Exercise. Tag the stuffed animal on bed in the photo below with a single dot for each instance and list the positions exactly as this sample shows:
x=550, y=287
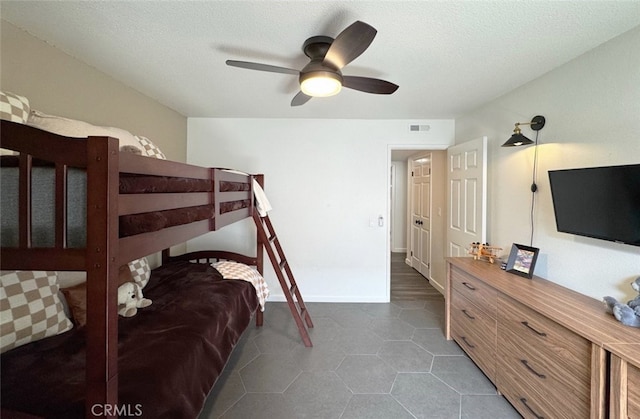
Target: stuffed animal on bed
x=627, y=314
x=127, y=300
x=130, y=297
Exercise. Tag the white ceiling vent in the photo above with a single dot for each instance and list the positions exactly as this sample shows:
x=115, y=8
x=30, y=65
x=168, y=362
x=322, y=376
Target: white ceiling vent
x=416, y=128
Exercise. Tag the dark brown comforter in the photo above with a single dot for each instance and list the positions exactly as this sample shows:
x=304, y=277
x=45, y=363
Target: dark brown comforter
x=170, y=353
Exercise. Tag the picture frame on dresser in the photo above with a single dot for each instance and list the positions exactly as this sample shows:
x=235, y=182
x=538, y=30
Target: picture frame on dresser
x=522, y=260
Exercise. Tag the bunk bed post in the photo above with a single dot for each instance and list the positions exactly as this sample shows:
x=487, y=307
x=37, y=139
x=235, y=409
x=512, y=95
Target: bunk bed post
x=259, y=243
x=166, y=255
x=259, y=251
x=102, y=276
x=215, y=191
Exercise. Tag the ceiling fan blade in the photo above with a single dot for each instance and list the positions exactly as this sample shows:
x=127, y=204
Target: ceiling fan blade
x=369, y=85
x=349, y=44
x=262, y=67
x=300, y=99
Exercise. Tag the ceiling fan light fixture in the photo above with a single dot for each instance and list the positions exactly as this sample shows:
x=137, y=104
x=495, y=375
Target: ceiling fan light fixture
x=320, y=83
x=322, y=76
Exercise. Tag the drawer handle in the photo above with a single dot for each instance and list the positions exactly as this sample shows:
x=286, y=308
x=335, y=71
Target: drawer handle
x=464, y=338
x=468, y=315
x=468, y=285
x=529, y=326
x=526, y=364
x=524, y=402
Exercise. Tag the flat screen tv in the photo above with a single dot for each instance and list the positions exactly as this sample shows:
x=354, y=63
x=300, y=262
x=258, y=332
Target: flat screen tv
x=599, y=202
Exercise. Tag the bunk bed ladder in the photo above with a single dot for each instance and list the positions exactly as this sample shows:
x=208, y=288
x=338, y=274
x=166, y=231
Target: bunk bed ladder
x=268, y=237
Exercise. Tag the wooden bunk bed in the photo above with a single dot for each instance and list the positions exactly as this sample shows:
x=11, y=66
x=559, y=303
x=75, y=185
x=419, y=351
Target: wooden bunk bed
x=175, y=217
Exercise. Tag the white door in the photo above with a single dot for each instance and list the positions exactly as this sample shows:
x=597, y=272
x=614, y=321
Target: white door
x=421, y=214
x=466, y=193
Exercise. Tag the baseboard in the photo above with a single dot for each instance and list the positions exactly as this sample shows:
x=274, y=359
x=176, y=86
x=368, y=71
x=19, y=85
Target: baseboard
x=330, y=299
x=435, y=285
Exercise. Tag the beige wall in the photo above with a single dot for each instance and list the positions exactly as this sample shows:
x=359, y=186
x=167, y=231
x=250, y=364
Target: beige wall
x=58, y=84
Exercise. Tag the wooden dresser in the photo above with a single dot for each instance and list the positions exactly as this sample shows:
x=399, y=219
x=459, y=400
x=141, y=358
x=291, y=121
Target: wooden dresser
x=549, y=350
x=625, y=380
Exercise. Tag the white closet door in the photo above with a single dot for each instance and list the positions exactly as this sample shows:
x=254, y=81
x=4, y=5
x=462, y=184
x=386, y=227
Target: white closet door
x=421, y=214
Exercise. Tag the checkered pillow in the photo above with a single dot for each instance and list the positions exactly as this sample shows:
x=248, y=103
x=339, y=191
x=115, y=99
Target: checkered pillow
x=150, y=149
x=30, y=309
x=14, y=107
x=140, y=271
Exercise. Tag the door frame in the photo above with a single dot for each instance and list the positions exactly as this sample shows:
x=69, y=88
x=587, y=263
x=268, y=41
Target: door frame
x=414, y=148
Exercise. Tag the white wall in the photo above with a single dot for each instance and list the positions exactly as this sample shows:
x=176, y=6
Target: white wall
x=399, y=206
x=592, y=107
x=326, y=179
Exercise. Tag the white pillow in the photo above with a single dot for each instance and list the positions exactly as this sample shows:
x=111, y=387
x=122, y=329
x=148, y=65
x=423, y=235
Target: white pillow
x=79, y=129
x=30, y=308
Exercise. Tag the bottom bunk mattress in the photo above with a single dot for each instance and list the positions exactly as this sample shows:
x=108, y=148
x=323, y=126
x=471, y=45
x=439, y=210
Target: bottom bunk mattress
x=170, y=353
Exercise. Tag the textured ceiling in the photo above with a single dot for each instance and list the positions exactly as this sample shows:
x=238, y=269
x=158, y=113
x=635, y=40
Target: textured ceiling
x=448, y=57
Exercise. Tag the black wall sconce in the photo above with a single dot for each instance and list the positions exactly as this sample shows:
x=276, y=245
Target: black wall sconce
x=517, y=139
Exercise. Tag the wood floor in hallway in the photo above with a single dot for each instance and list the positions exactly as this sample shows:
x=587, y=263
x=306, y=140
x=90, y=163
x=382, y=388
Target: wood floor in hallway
x=408, y=284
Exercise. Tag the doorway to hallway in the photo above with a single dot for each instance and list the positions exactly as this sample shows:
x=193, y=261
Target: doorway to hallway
x=407, y=284
x=401, y=240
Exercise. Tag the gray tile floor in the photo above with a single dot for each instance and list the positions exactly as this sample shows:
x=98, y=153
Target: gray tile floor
x=381, y=360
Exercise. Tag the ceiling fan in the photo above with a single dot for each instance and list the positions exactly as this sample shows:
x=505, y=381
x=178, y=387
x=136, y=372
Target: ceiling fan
x=323, y=77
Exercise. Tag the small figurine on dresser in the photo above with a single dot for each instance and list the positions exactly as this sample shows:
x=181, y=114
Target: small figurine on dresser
x=483, y=250
x=627, y=314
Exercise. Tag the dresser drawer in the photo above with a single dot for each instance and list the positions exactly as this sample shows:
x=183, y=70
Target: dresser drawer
x=551, y=363
x=557, y=346
x=479, y=350
x=552, y=382
x=633, y=388
x=475, y=331
x=529, y=404
x=473, y=318
x=475, y=290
